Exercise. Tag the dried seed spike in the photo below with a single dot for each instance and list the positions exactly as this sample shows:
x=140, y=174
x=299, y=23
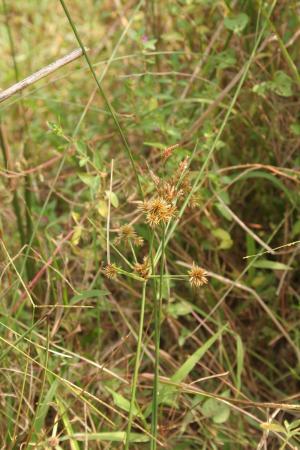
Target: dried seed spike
x=168, y=151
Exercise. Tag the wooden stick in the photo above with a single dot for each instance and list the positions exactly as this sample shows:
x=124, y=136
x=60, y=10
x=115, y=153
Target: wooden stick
x=44, y=72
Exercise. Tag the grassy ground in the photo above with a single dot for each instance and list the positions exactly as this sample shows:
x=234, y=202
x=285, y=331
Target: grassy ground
x=150, y=226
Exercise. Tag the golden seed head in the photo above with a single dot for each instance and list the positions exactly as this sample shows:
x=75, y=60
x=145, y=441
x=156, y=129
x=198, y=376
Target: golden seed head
x=142, y=269
x=111, y=271
x=167, y=191
x=157, y=210
x=127, y=233
x=197, y=276
x=138, y=241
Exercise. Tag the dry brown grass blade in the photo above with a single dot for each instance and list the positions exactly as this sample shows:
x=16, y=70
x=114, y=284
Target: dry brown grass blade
x=42, y=73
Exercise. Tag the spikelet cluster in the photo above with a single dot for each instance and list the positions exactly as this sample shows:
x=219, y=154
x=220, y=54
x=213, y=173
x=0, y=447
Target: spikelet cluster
x=158, y=211
x=111, y=271
x=197, y=276
x=142, y=269
x=127, y=234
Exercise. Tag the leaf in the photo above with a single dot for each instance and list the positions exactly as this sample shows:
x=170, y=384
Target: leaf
x=216, y=410
x=296, y=229
x=77, y=234
x=295, y=128
x=236, y=22
x=272, y=265
x=89, y=180
x=273, y=179
x=179, y=309
x=282, y=84
x=88, y=294
x=110, y=436
x=273, y=427
x=168, y=393
x=224, y=237
x=224, y=211
x=121, y=402
x=44, y=407
x=102, y=208
x=239, y=360
x=155, y=145
x=190, y=363
x=113, y=198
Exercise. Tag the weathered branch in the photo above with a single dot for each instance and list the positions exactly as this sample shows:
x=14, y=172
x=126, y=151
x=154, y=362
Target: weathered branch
x=44, y=72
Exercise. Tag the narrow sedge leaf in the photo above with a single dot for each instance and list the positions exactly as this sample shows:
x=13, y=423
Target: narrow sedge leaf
x=272, y=265
x=273, y=427
x=190, y=363
x=239, y=360
x=93, y=293
x=121, y=402
x=110, y=436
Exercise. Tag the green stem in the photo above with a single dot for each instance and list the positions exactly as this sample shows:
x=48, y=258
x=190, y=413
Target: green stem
x=157, y=322
x=136, y=367
x=105, y=98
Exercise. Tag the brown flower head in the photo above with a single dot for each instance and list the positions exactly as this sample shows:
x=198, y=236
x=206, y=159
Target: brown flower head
x=157, y=210
x=168, y=152
x=197, y=276
x=126, y=234
x=142, y=269
x=167, y=191
x=111, y=271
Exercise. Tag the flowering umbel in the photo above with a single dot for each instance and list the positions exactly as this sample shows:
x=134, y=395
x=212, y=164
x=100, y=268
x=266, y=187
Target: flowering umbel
x=157, y=211
x=197, y=276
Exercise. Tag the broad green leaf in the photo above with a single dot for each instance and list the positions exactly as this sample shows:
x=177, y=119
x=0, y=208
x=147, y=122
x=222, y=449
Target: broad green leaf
x=113, y=198
x=296, y=229
x=215, y=409
x=272, y=265
x=224, y=212
x=90, y=180
x=121, y=402
x=295, y=128
x=77, y=234
x=236, y=22
x=102, y=208
x=179, y=309
x=282, y=84
x=224, y=237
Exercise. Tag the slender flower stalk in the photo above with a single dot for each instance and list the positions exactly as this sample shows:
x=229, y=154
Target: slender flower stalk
x=157, y=323
x=136, y=367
